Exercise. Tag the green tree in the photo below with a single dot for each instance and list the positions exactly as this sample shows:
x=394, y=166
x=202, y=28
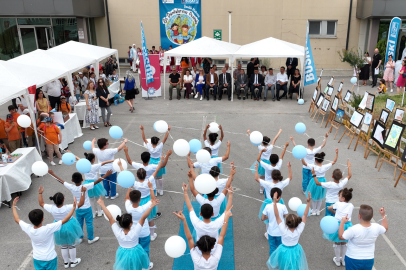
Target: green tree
x=177, y=21
x=352, y=57
x=185, y=21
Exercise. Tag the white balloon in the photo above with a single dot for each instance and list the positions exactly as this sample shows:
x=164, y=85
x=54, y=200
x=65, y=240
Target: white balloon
x=256, y=137
x=116, y=167
x=203, y=156
x=175, y=246
x=114, y=211
x=24, y=121
x=214, y=127
x=161, y=126
x=39, y=168
x=181, y=147
x=145, y=145
x=205, y=183
x=294, y=203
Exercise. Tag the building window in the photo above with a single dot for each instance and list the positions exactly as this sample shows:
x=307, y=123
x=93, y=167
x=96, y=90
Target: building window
x=9, y=41
x=91, y=31
x=323, y=29
x=65, y=29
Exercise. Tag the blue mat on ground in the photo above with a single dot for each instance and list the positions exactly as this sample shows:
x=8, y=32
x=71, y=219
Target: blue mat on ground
x=227, y=258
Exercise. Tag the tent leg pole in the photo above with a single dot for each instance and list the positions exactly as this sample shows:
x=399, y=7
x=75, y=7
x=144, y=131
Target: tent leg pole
x=403, y=95
x=32, y=116
x=164, y=79
x=232, y=79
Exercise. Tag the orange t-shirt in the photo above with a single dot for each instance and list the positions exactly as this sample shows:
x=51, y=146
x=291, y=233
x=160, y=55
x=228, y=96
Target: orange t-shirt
x=30, y=130
x=13, y=134
x=64, y=108
x=184, y=64
x=15, y=117
x=3, y=133
x=51, y=133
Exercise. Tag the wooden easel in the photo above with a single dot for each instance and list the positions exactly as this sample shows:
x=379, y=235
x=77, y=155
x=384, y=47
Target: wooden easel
x=320, y=111
x=313, y=103
x=350, y=132
x=332, y=114
x=402, y=171
x=363, y=138
x=390, y=155
x=334, y=124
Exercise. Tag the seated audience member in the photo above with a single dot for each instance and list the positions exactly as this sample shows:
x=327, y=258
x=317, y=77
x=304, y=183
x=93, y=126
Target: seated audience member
x=295, y=84
x=237, y=72
x=270, y=81
x=263, y=72
x=242, y=83
x=281, y=83
x=256, y=82
x=211, y=82
x=200, y=83
x=174, y=82
x=187, y=82
x=225, y=82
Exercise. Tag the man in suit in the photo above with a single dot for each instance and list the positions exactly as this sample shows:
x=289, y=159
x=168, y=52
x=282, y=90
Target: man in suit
x=211, y=82
x=250, y=68
x=256, y=81
x=242, y=82
x=291, y=63
x=225, y=82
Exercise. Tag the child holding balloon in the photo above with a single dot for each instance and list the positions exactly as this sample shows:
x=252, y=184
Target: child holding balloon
x=206, y=167
x=213, y=145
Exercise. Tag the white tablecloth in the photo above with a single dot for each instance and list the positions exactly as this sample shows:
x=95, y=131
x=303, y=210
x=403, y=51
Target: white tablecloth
x=114, y=88
x=80, y=110
x=71, y=131
x=16, y=176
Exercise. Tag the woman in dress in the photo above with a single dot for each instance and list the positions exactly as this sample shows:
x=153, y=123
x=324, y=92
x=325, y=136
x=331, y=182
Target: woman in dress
x=364, y=74
x=41, y=103
x=92, y=103
x=388, y=74
x=187, y=81
x=129, y=87
x=401, y=80
x=295, y=84
x=104, y=104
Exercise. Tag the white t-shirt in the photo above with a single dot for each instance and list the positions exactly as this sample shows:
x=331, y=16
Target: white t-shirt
x=155, y=152
x=269, y=168
x=105, y=155
x=320, y=171
x=309, y=158
x=92, y=175
x=21, y=101
x=343, y=209
x=332, y=189
x=211, y=229
x=58, y=213
x=137, y=213
x=291, y=238
x=206, y=167
x=361, y=240
x=221, y=184
x=131, y=239
x=76, y=191
x=143, y=186
x=273, y=228
x=214, y=148
x=200, y=263
x=149, y=169
x=42, y=239
x=265, y=155
x=268, y=186
x=187, y=78
x=215, y=203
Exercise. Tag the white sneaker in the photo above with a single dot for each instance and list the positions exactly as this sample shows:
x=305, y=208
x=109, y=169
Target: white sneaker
x=313, y=213
x=106, y=197
x=342, y=261
x=80, y=240
x=161, y=192
x=114, y=196
x=74, y=264
x=60, y=162
x=67, y=265
x=151, y=265
x=201, y=97
x=197, y=95
x=93, y=241
x=52, y=163
x=338, y=263
x=391, y=90
x=318, y=213
x=99, y=214
x=304, y=193
x=153, y=237
x=266, y=235
x=94, y=215
x=261, y=192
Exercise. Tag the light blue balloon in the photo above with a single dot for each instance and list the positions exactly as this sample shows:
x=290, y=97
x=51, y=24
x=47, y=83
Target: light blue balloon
x=329, y=224
x=126, y=179
x=195, y=145
x=83, y=165
x=301, y=101
x=301, y=209
x=353, y=80
x=68, y=158
x=299, y=151
x=87, y=145
x=116, y=132
x=300, y=128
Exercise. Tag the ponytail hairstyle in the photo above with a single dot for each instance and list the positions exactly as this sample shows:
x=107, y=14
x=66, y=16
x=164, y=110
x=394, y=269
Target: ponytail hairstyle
x=206, y=243
x=213, y=137
x=214, y=171
x=213, y=193
x=125, y=221
x=346, y=194
x=90, y=156
x=276, y=175
x=141, y=174
x=319, y=157
x=154, y=140
x=266, y=140
x=292, y=221
x=58, y=198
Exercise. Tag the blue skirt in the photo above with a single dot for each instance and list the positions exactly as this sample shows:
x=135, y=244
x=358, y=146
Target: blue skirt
x=334, y=236
x=46, y=265
x=264, y=204
x=131, y=258
x=328, y=213
x=153, y=211
x=261, y=170
x=156, y=162
x=318, y=192
x=223, y=205
x=96, y=191
x=288, y=258
x=218, y=164
x=69, y=234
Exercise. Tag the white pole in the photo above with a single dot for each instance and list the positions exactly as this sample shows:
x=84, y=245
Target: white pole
x=164, y=76
x=32, y=116
x=229, y=26
x=403, y=95
x=232, y=78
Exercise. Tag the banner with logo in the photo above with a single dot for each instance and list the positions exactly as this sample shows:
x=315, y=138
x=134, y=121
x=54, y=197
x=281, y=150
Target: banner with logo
x=393, y=38
x=180, y=22
x=151, y=89
x=146, y=62
x=310, y=70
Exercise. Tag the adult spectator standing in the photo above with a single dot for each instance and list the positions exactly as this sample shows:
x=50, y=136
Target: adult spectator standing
x=53, y=89
x=237, y=72
x=206, y=65
x=270, y=82
x=242, y=82
x=130, y=59
x=185, y=64
x=110, y=66
x=388, y=74
x=83, y=80
x=134, y=57
x=41, y=102
x=291, y=64
x=295, y=84
x=154, y=51
x=104, y=104
x=92, y=113
x=282, y=83
x=256, y=81
x=174, y=82
x=364, y=74
x=21, y=104
x=401, y=80
x=250, y=68
x=129, y=87
x=211, y=82
x=225, y=82
x=376, y=62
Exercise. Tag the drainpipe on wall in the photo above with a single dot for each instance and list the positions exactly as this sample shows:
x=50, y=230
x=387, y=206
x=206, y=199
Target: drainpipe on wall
x=108, y=21
x=348, y=30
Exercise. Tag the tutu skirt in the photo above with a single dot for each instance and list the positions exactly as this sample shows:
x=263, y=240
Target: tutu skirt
x=69, y=234
x=288, y=258
x=156, y=161
x=264, y=204
x=96, y=191
x=334, y=236
x=223, y=205
x=328, y=213
x=153, y=211
x=131, y=258
x=218, y=164
x=261, y=170
x=318, y=192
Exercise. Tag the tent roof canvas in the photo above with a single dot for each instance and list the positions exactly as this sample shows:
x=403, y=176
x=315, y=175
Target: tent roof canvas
x=83, y=50
x=10, y=85
x=270, y=47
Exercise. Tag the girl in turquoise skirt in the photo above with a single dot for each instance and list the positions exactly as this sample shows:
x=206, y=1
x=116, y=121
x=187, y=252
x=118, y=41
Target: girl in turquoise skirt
x=213, y=145
x=318, y=192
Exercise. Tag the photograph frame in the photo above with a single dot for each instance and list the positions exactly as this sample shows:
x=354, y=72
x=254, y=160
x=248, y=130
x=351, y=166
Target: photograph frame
x=397, y=110
x=381, y=127
x=388, y=106
x=330, y=91
x=325, y=90
x=323, y=107
x=340, y=87
x=335, y=102
x=373, y=102
x=387, y=116
x=348, y=94
x=330, y=82
x=400, y=128
x=319, y=100
x=366, y=123
x=360, y=117
x=340, y=120
x=315, y=95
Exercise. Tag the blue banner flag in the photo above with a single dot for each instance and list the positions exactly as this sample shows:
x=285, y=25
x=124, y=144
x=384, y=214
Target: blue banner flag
x=310, y=70
x=180, y=22
x=145, y=56
x=393, y=37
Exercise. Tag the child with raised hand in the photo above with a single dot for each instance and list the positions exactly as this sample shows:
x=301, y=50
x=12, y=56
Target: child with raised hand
x=206, y=167
x=342, y=208
x=333, y=187
x=289, y=255
x=311, y=151
x=318, y=192
x=361, y=238
x=130, y=254
x=155, y=150
x=204, y=257
x=42, y=240
x=276, y=163
x=70, y=233
x=211, y=143
x=83, y=213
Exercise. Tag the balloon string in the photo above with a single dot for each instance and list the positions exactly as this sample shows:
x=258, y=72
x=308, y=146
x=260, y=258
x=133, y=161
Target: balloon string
x=230, y=190
x=9, y=206
x=136, y=143
x=376, y=222
x=47, y=139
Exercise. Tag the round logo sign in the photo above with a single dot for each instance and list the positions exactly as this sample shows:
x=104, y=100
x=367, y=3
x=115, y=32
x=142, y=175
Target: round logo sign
x=180, y=29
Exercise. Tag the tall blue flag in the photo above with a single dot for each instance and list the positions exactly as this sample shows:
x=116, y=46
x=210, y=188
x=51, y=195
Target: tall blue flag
x=393, y=37
x=145, y=56
x=310, y=69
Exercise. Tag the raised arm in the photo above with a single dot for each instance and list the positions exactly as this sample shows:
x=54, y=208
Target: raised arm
x=106, y=211
x=249, y=132
x=127, y=195
x=56, y=177
x=166, y=135
x=108, y=173
x=125, y=148
x=384, y=219
x=187, y=200
x=290, y=171
x=230, y=179
x=168, y=154
x=93, y=141
x=146, y=213
x=222, y=133
x=122, y=145
x=151, y=191
x=230, y=200
x=223, y=232
x=186, y=229
x=158, y=167
x=284, y=150
x=260, y=154
x=293, y=141
x=189, y=161
x=107, y=161
x=306, y=212
x=82, y=197
x=15, y=214
x=40, y=198
x=336, y=157
x=275, y=208
x=68, y=216
x=325, y=140
x=205, y=132
x=304, y=162
x=143, y=134
x=276, y=137
x=226, y=156
x=349, y=169
x=192, y=184
x=341, y=228
x=256, y=172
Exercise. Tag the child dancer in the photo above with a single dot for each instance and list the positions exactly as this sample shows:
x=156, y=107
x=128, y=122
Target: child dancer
x=343, y=208
x=318, y=193
x=290, y=254
x=42, y=240
x=84, y=213
x=213, y=145
x=311, y=151
x=361, y=238
x=130, y=255
x=333, y=187
x=70, y=233
x=206, y=167
x=155, y=149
